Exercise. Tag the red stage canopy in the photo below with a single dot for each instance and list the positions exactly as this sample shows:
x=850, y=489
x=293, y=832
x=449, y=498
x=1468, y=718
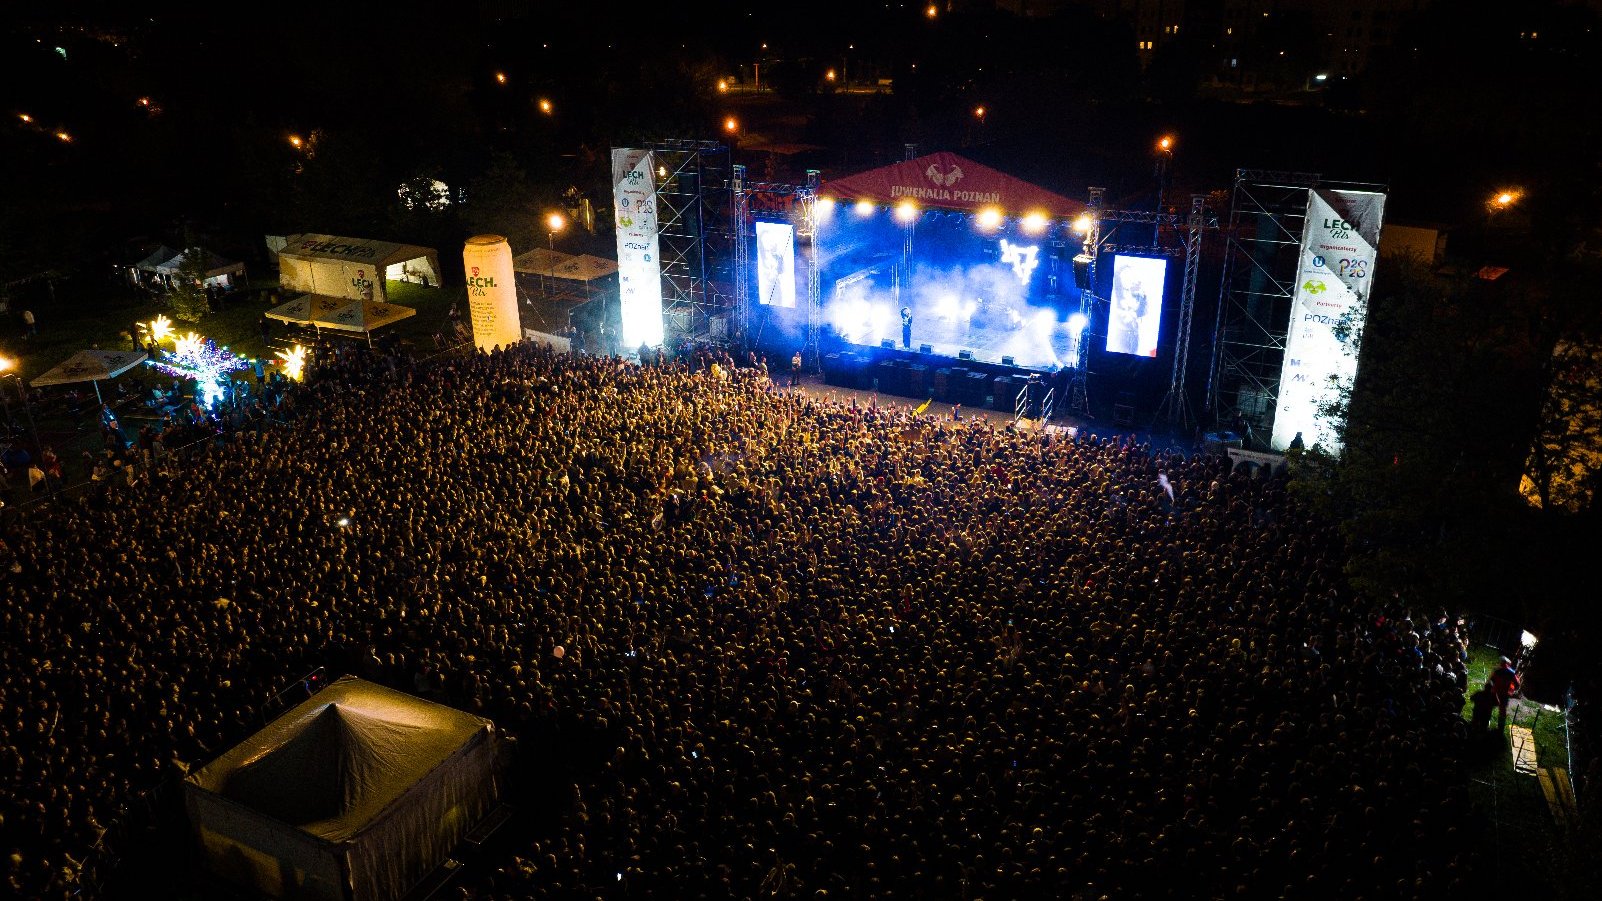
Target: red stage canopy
x=946, y=181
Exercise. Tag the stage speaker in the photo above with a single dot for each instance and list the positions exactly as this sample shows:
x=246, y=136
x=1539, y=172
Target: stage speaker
x=1008, y=361
x=1082, y=271
x=887, y=344
x=926, y=348
x=965, y=355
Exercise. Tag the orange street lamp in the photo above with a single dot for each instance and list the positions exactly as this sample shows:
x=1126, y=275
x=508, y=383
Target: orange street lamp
x=1165, y=143
x=731, y=125
x=554, y=222
x=1505, y=199
x=932, y=11
x=296, y=142
x=500, y=78
x=545, y=106
x=25, y=117
x=63, y=137
x=829, y=75
x=723, y=85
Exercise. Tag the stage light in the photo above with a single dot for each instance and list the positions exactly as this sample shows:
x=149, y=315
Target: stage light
x=989, y=218
x=1082, y=223
x=731, y=125
x=863, y=208
x=545, y=106
x=906, y=212
x=1165, y=143
x=824, y=208
x=661, y=172
x=1033, y=223
x=1076, y=324
x=1527, y=640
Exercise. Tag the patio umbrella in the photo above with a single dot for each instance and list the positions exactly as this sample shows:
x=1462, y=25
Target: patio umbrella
x=91, y=366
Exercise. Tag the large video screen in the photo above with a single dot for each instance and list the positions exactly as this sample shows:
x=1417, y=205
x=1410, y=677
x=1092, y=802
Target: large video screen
x=1135, y=316
x=994, y=292
x=775, y=260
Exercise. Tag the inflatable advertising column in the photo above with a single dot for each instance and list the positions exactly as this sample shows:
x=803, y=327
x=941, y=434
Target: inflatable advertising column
x=491, y=292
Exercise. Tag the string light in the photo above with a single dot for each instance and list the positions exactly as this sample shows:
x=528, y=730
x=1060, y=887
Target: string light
x=201, y=359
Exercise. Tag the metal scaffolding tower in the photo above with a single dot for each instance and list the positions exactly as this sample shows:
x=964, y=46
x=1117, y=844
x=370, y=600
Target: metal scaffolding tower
x=1175, y=406
x=1267, y=212
x=698, y=240
x=806, y=229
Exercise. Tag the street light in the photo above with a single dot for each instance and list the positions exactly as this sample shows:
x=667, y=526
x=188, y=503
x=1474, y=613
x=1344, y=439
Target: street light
x=25, y=117
x=296, y=142
x=545, y=106
x=500, y=78
x=554, y=223
x=63, y=137
x=731, y=125
x=1505, y=199
x=1165, y=143
x=932, y=11
x=8, y=368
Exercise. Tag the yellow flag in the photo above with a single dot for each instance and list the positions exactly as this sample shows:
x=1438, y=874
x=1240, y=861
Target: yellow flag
x=923, y=406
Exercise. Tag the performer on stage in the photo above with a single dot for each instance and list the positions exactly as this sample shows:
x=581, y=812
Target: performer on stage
x=906, y=327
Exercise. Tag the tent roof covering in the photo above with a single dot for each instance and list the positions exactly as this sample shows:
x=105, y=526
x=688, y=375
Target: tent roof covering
x=946, y=181
x=332, y=764
x=340, y=313
x=579, y=268
x=91, y=366
x=352, y=250
x=215, y=265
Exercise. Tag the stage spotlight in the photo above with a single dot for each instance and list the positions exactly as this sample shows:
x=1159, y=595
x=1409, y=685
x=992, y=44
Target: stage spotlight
x=823, y=209
x=1082, y=224
x=989, y=218
x=1033, y=223
x=864, y=208
x=906, y=212
x=1076, y=324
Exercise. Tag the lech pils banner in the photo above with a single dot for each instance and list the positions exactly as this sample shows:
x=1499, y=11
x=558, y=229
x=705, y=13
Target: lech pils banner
x=1339, y=240
x=639, y=268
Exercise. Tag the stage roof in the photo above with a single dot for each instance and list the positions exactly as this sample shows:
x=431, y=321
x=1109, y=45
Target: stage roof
x=945, y=181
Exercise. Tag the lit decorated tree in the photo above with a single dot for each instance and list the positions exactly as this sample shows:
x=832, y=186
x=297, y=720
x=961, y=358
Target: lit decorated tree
x=201, y=359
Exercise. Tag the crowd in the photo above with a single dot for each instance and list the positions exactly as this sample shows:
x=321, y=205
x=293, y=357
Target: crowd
x=767, y=645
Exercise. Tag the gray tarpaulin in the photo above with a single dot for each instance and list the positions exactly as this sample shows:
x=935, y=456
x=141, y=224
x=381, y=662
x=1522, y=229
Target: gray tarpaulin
x=355, y=794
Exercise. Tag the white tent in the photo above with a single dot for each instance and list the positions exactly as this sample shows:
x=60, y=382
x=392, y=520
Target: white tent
x=164, y=264
x=321, y=311
x=357, y=793
x=352, y=268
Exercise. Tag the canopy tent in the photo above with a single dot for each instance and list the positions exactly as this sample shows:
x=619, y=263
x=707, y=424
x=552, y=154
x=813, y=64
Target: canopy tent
x=321, y=311
x=946, y=181
x=164, y=264
x=352, y=268
x=91, y=366
x=555, y=264
x=356, y=793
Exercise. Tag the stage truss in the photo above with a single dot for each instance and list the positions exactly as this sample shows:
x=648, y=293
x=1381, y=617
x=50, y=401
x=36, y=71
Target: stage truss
x=698, y=242
x=1256, y=292
x=805, y=197
x=1175, y=407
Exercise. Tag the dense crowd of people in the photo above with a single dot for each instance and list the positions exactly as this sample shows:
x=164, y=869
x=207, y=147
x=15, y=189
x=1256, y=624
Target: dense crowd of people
x=768, y=645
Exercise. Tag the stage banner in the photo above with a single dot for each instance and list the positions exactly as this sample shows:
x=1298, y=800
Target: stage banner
x=1333, y=281
x=491, y=292
x=638, y=265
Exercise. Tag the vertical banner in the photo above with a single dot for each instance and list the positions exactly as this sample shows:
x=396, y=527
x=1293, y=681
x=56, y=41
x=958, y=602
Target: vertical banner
x=1333, y=279
x=491, y=292
x=775, y=243
x=639, y=268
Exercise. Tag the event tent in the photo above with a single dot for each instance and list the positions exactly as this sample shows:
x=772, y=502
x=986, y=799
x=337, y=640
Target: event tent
x=91, y=366
x=946, y=181
x=321, y=311
x=164, y=264
x=357, y=793
x=555, y=264
x=353, y=268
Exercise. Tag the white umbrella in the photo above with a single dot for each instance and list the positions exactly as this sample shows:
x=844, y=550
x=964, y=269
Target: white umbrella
x=91, y=366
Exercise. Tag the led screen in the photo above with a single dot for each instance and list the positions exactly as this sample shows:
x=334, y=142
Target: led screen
x=776, y=263
x=1135, y=316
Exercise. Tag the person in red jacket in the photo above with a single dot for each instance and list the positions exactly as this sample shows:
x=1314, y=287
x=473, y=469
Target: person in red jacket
x=1504, y=682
